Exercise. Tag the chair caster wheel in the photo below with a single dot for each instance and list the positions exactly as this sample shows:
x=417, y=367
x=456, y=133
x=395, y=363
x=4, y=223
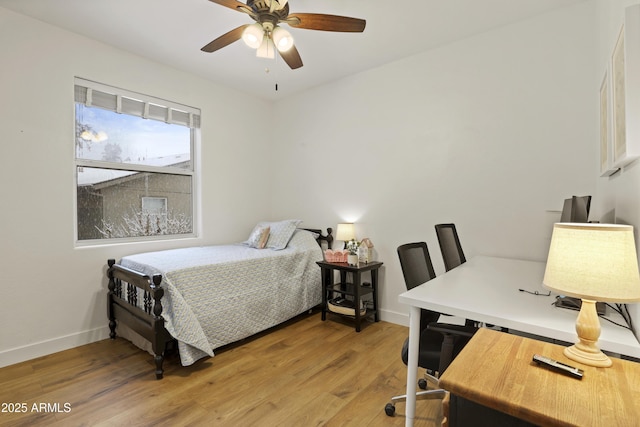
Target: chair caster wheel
x=390, y=410
x=422, y=383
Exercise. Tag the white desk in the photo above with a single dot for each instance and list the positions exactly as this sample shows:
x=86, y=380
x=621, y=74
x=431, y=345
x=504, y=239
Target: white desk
x=485, y=289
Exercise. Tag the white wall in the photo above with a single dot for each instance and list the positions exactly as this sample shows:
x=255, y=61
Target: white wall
x=53, y=296
x=490, y=132
x=618, y=196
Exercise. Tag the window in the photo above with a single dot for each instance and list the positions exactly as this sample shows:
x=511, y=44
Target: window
x=155, y=209
x=134, y=165
x=155, y=205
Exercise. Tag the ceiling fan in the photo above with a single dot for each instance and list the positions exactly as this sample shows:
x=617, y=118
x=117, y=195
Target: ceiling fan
x=266, y=35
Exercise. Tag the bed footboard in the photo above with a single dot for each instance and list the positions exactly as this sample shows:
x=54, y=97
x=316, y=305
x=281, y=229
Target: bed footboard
x=134, y=299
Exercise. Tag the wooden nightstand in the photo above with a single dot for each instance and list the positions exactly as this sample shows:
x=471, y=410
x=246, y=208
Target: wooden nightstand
x=353, y=290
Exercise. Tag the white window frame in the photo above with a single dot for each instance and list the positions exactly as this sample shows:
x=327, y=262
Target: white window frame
x=96, y=94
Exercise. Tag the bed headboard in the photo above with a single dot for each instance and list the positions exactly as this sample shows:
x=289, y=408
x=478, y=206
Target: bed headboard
x=328, y=238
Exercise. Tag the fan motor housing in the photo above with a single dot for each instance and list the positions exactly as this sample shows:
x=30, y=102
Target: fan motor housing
x=262, y=8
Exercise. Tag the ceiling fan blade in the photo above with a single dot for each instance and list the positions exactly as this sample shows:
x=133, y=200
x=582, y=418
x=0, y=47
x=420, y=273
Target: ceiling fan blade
x=318, y=21
x=292, y=58
x=225, y=39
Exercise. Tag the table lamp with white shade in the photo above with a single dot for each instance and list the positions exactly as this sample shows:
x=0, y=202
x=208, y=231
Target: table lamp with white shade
x=594, y=262
x=346, y=232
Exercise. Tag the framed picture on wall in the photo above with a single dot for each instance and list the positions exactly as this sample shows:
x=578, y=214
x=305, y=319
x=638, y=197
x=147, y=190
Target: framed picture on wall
x=618, y=98
x=606, y=144
x=625, y=90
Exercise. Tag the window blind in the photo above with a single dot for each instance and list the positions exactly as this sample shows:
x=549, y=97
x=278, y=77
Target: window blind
x=94, y=94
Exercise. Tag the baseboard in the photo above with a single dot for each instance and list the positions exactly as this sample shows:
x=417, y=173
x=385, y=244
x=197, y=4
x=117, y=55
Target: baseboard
x=43, y=348
x=394, y=317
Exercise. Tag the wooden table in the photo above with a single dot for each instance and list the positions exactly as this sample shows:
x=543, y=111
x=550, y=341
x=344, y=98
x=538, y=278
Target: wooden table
x=495, y=370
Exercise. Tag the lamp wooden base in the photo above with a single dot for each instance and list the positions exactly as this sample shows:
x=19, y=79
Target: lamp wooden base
x=598, y=359
x=586, y=350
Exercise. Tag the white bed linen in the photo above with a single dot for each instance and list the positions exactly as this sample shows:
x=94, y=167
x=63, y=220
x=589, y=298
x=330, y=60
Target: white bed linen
x=216, y=295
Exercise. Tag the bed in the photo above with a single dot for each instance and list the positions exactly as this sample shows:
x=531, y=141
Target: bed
x=202, y=298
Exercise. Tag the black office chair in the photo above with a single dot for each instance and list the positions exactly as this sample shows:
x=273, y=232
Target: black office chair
x=452, y=253
x=439, y=342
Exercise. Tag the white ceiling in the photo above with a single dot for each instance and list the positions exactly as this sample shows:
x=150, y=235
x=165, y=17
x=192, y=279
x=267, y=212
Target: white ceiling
x=173, y=31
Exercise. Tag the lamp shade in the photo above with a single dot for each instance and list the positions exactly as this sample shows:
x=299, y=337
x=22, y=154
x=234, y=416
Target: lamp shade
x=593, y=261
x=282, y=39
x=253, y=35
x=346, y=232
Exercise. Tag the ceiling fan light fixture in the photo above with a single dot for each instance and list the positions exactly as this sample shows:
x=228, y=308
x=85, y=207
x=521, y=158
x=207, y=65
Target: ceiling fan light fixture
x=282, y=39
x=266, y=49
x=253, y=35
x=265, y=36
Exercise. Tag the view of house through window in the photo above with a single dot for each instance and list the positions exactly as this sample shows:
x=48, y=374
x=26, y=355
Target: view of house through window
x=134, y=164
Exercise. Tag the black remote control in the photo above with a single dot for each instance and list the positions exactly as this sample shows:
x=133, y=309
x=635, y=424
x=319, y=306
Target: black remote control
x=554, y=365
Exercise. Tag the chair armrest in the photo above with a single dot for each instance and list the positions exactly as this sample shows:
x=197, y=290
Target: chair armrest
x=446, y=328
x=452, y=335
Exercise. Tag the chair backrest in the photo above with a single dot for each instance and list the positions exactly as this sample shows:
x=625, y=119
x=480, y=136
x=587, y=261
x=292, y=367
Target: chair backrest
x=417, y=269
x=416, y=264
x=452, y=253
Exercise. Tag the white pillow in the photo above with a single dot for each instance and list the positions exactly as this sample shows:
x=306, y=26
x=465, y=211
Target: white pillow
x=281, y=232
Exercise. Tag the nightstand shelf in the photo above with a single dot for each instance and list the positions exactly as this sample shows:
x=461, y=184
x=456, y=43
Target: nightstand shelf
x=352, y=290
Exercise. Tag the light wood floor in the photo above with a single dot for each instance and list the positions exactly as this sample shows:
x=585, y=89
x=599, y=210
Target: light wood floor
x=304, y=373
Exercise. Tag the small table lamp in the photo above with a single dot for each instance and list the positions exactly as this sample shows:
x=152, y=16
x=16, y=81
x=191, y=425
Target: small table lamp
x=594, y=262
x=346, y=232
